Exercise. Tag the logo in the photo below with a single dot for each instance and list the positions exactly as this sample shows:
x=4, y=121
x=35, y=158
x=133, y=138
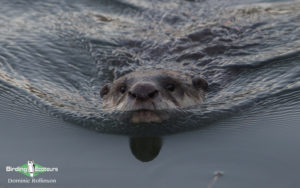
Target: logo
x=31, y=169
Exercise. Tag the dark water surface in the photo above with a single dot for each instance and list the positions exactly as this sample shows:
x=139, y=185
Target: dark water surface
x=56, y=55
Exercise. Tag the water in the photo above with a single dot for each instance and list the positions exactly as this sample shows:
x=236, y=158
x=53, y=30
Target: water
x=56, y=55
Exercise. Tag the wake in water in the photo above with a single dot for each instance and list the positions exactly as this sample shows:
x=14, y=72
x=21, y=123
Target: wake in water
x=59, y=54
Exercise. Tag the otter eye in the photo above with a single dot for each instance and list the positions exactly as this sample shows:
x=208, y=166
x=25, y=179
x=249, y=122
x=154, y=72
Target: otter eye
x=122, y=89
x=170, y=87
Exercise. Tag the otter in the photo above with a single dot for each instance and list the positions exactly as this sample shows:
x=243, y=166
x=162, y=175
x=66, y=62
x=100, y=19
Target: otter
x=148, y=93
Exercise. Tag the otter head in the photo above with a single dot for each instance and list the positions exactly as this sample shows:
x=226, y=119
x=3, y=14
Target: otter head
x=147, y=94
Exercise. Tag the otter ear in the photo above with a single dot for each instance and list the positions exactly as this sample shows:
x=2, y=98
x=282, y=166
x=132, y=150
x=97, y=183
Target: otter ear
x=104, y=90
x=199, y=82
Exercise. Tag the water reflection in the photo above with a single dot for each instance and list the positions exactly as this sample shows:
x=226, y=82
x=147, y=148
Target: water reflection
x=145, y=149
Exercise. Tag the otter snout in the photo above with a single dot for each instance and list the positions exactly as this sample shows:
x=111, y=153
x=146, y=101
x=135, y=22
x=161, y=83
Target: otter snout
x=143, y=91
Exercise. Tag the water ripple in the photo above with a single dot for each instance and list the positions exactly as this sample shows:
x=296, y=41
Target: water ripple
x=58, y=55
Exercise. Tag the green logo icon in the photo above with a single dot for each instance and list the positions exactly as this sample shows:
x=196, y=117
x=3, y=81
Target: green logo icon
x=32, y=169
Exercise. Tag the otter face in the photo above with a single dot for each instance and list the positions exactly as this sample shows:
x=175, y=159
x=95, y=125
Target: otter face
x=146, y=94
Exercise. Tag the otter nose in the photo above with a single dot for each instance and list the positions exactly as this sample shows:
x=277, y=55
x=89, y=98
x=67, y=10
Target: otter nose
x=143, y=91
